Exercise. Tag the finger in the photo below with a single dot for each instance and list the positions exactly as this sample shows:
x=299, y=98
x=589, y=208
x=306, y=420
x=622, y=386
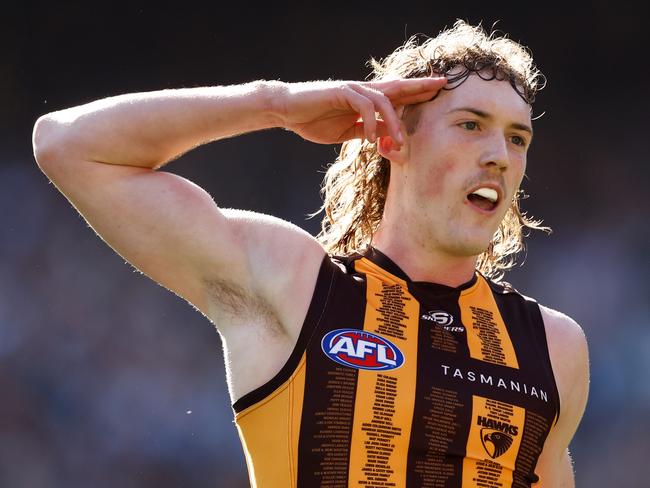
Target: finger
x=382, y=130
x=395, y=89
x=357, y=131
x=366, y=109
x=385, y=108
x=413, y=99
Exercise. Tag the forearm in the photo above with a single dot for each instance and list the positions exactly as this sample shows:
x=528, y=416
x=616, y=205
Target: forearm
x=149, y=129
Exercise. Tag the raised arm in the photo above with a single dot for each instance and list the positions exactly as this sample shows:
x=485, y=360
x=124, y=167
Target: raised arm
x=104, y=156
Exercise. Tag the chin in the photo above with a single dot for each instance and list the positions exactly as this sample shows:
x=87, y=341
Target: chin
x=469, y=247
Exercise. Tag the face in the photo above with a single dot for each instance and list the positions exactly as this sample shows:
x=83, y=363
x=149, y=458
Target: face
x=469, y=146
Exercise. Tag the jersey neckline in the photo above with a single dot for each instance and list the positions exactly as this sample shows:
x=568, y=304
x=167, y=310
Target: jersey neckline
x=383, y=261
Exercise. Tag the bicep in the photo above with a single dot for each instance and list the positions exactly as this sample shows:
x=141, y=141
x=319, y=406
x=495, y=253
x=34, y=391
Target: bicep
x=164, y=225
x=172, y=231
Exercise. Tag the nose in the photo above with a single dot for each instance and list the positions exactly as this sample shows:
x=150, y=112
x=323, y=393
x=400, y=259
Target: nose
x=495, y=154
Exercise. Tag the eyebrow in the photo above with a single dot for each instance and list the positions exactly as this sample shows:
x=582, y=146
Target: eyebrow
x=486, y=115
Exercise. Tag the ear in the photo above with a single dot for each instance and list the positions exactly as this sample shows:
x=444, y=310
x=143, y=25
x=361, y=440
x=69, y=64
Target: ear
x=389, y=149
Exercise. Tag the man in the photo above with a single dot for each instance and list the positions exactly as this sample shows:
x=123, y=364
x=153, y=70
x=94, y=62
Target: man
x=400, y=362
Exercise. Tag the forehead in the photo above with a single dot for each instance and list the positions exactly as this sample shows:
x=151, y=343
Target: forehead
x=496, y=97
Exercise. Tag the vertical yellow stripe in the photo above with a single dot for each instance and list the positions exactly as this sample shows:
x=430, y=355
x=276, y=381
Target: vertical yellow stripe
x=297, y=395
x=493, y=443
x=487, y=336
x=273, y=425
x=385, y=399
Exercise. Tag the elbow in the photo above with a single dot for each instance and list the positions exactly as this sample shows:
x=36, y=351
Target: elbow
x=46, y=141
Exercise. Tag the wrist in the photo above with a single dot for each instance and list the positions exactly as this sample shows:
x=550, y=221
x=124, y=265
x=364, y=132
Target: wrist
x=272, y=95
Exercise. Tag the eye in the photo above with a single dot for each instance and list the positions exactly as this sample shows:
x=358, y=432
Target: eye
x=469, y=125
x=518, y=141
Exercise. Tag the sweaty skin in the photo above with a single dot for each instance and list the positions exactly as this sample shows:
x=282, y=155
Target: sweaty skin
x=253, y=275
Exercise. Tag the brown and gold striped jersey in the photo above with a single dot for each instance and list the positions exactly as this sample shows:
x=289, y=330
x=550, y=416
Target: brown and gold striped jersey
x=396, y=383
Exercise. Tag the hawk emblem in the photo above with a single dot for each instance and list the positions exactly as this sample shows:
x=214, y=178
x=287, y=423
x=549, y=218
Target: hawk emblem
x=495, y=442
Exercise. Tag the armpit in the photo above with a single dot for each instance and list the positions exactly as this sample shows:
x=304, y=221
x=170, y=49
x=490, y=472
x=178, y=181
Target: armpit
x=231, y=304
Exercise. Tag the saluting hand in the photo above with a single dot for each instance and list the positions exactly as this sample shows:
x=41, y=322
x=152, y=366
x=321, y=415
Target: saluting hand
x=330, y=112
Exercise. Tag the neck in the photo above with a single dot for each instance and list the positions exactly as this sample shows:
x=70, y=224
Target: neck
x=421, y=262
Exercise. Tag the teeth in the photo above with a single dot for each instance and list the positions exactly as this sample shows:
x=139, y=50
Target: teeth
x=487, y=193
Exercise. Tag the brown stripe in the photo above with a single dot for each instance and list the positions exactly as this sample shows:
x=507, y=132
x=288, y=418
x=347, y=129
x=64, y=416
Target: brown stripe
x=329, y=395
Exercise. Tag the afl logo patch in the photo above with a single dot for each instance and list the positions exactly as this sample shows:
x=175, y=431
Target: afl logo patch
x=361, y=350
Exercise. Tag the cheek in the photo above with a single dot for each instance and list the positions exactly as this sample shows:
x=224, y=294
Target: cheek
x=517, y=171
x=435, y=177
x=437, y=159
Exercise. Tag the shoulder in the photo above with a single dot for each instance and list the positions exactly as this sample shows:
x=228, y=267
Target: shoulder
x=283, y=262
x=568, y=351
x=565, y=334
x=569, y=355
x=566, y=340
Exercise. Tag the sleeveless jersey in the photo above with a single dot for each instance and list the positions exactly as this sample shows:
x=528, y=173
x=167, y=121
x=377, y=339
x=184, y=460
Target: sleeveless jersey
x=396, y=383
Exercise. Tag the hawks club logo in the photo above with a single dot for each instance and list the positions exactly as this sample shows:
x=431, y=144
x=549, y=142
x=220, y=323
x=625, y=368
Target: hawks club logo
x=495, y=442
x=361, y=350
x=496, y=436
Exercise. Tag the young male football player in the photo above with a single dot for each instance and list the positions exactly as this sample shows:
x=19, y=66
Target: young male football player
x=386, y=351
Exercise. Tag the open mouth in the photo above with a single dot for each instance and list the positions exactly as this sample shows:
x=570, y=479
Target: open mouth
x=484, y=198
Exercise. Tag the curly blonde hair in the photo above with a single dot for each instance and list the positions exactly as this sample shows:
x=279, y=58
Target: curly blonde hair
x=355, y=185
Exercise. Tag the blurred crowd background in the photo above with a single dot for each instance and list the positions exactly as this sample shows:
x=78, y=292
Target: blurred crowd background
x=108, y=380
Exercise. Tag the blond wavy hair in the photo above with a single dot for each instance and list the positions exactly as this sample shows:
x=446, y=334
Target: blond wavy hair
x=355, y=185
